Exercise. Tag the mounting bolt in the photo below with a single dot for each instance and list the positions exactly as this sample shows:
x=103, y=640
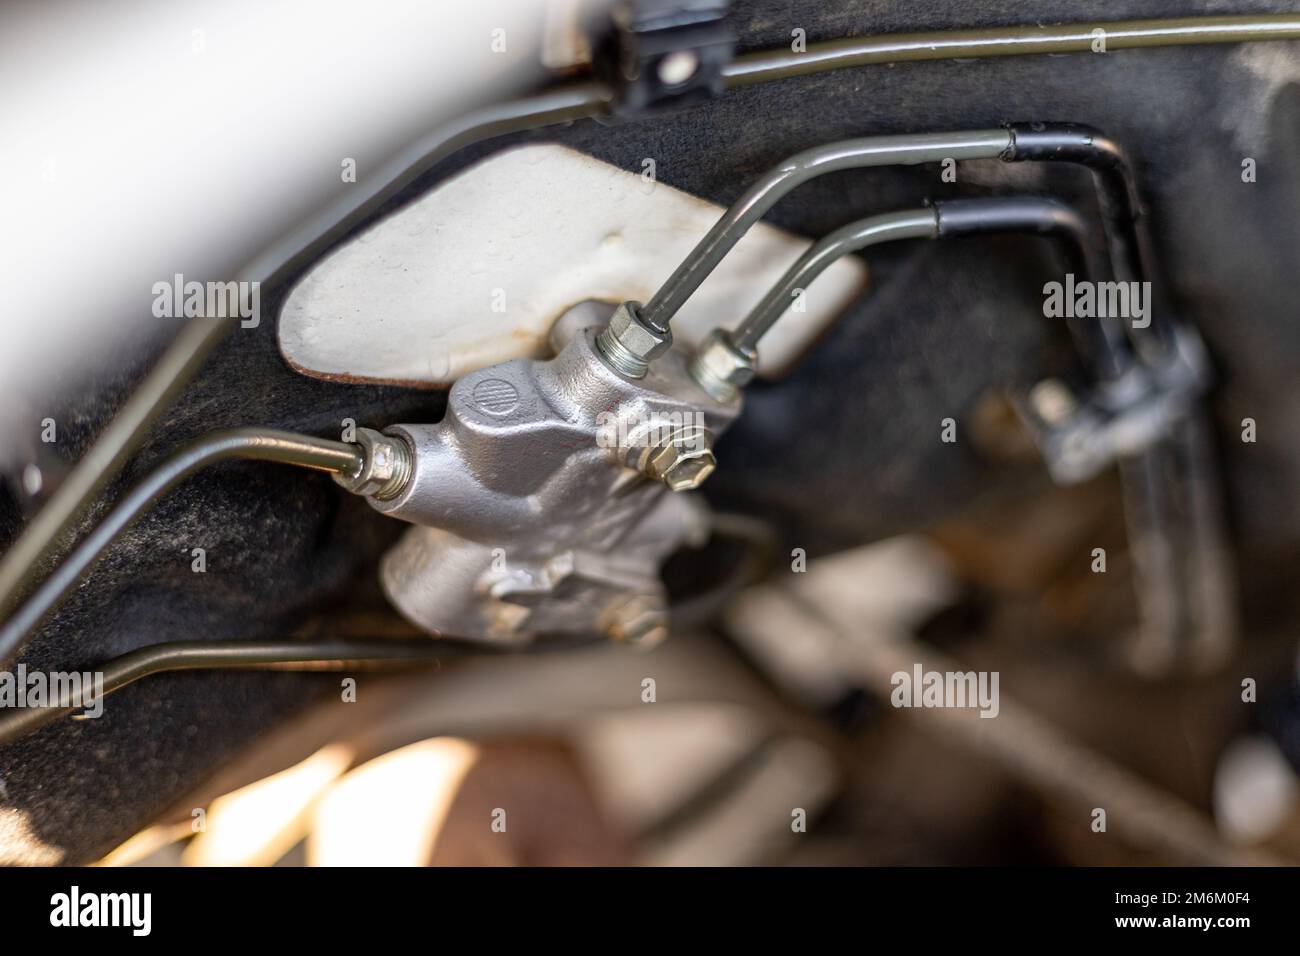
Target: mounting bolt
x=682, y=461
x=386, y=467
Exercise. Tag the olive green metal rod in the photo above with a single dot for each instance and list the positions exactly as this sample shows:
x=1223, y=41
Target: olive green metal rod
x=989, y=42
x=856, y=236
x=1101, y=344
x=865, y=152
x=907, y=150
x=259, y=444
x=258, y=655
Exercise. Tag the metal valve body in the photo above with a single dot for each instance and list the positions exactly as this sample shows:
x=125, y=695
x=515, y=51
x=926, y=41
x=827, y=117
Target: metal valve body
x=543, y=502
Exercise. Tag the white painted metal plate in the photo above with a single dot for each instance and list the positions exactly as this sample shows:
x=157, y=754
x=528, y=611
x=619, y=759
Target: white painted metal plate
x=477, y=271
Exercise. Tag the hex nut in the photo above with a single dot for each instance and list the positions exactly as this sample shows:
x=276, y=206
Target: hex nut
x=629, y=344
x=637, y=337
x=386, y=468
x=722, y=367
x=682, y=462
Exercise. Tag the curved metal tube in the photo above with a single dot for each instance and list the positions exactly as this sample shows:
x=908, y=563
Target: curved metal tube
x=1123, y=216
x=1194, y=606
x=1101, y=343
x=1118, y=196
x=1122, y=212
x=259, y=444
x=1188, y=598
x=871, y=151
x=207, y=655
x=887, y=227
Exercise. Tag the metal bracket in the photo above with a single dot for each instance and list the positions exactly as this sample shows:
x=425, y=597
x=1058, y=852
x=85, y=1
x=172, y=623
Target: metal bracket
x=1081, y=434
x=665, y=53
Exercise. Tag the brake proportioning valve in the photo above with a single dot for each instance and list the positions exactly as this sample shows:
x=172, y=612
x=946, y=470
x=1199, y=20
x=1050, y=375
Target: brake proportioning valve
x=544, y=500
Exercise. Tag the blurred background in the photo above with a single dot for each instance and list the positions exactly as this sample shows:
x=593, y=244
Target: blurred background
x=148, y=139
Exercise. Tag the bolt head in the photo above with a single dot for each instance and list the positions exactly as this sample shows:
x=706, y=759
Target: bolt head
x=682, y=465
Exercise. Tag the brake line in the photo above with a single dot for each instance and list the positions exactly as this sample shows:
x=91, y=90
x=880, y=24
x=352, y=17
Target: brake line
x=1199, y=603
x=989, y=42
x=1197, y=606
x=1101, y=344
x=780, y=180
x=248, y=655
x=257, y=444
x=1077, y=144
x=1123, y=215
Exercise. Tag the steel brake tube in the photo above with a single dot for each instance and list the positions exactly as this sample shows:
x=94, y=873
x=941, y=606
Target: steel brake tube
x=902, y=150
x=988, y=42
x=856, y=236
x=1161, y=595
x=1074, y=143
x=261, y=655
x=1122, y=211
x=1102, y=344
x=1165, y=599
x=259, y=444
